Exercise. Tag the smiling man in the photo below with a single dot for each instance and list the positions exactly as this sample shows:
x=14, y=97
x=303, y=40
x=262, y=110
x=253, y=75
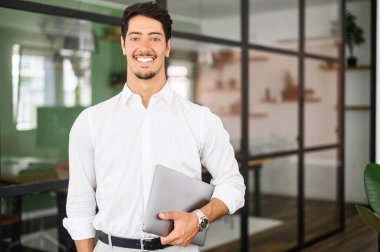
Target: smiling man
x=116, y=145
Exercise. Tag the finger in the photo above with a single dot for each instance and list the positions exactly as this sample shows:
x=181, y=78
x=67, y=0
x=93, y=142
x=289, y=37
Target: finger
x=168, y=215
x=169, y=239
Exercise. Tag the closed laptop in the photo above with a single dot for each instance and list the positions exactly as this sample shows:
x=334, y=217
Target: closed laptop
x=174, y=191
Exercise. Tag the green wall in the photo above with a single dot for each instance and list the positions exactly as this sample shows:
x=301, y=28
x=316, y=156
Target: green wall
x=18, y=27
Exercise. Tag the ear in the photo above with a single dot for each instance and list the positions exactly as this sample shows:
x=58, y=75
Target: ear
x=123, y=45
x=167, y=52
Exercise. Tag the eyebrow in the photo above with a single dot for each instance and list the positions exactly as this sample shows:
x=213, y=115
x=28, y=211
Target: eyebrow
x=150, y=33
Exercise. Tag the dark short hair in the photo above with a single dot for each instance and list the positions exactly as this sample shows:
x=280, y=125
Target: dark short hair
x=148, y=9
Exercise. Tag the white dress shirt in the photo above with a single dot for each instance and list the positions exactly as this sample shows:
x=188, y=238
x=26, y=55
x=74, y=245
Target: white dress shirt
x=115, y=146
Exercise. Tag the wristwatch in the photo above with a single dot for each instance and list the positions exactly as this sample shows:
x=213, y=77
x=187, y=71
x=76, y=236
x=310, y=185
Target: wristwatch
x=202, y=220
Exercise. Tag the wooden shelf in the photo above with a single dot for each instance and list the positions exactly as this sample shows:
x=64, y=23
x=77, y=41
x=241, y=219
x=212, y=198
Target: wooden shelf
x=335, y=67
x=357, y=107
x=226, y=89
x=253, y=114
x=358, y=68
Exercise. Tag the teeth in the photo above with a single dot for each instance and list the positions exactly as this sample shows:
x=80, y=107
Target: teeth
x=144, y=59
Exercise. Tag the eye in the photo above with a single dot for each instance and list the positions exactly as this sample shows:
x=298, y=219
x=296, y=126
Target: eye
x=156, y=39
x=134, y=39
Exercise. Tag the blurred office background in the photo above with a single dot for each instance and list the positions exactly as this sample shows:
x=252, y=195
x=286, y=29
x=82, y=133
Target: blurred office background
x=275, y=72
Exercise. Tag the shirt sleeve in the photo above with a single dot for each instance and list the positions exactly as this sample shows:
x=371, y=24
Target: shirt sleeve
x=217, y=155
x=81, y=203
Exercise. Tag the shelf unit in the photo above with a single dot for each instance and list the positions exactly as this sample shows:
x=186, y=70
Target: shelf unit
x=353, y=69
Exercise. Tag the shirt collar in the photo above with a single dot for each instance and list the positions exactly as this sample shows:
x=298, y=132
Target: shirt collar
x=126, y=93
x=166, y=93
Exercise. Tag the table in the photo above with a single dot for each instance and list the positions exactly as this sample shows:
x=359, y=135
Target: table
x=255, y=166
x=29, y=181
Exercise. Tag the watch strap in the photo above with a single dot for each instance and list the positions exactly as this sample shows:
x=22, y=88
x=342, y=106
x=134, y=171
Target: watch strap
x=199, y=213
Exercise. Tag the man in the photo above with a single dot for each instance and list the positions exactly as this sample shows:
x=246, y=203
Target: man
x=115, y=146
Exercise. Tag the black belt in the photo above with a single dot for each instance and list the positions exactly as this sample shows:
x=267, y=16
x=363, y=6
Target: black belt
x=143, y=244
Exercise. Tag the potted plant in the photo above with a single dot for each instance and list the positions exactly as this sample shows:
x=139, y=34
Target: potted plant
x=354, y=36
x=371, y=217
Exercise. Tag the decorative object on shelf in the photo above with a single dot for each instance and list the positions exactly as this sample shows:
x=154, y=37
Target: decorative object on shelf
x=268, y=97
x=223, y=57
x=232, y=84
x=371, y=217
x=354, y=37
x=290, y=91
x=328, y=66
x=219, y=85
x=235, y=107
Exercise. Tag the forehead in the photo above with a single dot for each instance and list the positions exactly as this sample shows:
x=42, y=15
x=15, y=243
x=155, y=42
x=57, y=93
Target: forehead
x=144, y=24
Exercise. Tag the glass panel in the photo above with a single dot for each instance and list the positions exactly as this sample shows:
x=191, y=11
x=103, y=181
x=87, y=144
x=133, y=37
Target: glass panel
x=273, y=119
x=321, y=205
x=109, y=8
x=322, y=35
x=275, y=228
x=213, y=18
x=322, y=96
x=274, y=23
x=48, y=76
x=209, y=75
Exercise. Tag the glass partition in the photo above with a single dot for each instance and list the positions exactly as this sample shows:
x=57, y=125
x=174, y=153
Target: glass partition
x=52, y=68
x=322, y=96
x=275, y=229
x=212, y=18
x=109, y=8
x=274, y=23
x=273, y=101
x=322, y=35
x=209, y=75
x=49, y=76
x=321, y=204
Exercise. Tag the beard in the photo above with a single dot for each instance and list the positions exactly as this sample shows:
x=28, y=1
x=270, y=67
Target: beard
x=145, y=76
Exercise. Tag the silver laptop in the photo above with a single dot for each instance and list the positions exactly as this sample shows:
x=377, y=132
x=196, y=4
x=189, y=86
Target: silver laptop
x=174, y=191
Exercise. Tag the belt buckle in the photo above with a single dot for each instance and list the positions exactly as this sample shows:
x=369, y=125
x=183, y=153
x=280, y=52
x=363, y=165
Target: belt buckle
x=142, y=240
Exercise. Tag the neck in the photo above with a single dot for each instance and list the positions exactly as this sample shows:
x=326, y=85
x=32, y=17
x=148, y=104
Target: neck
x=145, y=88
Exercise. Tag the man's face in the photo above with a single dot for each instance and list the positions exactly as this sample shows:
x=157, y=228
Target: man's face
x=145, y=47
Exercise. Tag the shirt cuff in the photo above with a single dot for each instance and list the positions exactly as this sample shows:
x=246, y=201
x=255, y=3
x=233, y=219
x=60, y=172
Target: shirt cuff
x=230, y=196
x=80, y=228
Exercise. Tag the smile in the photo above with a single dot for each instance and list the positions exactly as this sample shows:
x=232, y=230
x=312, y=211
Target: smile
x=144, y=59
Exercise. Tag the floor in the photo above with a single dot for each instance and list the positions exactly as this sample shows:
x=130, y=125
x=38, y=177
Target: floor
x=320, y=217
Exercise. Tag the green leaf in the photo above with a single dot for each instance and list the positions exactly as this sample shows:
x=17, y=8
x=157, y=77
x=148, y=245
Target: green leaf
x=372, y=186
x=370, y=218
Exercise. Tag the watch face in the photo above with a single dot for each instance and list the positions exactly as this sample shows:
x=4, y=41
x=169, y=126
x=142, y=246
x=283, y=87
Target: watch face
x=204, y=224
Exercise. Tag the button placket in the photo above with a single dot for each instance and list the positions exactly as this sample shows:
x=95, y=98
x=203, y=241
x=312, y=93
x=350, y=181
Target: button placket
x=146, y=155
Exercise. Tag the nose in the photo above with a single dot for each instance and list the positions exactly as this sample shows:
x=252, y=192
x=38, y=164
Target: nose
x=145, y=43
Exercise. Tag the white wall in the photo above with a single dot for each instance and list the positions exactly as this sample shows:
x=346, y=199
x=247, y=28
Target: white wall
x=357, y=92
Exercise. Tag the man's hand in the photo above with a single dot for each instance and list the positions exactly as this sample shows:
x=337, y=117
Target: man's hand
x=185, y=228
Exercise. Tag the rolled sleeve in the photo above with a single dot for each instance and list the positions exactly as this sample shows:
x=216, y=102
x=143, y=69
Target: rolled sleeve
x=218, y=156
x=81, y=203
x=79, y=228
